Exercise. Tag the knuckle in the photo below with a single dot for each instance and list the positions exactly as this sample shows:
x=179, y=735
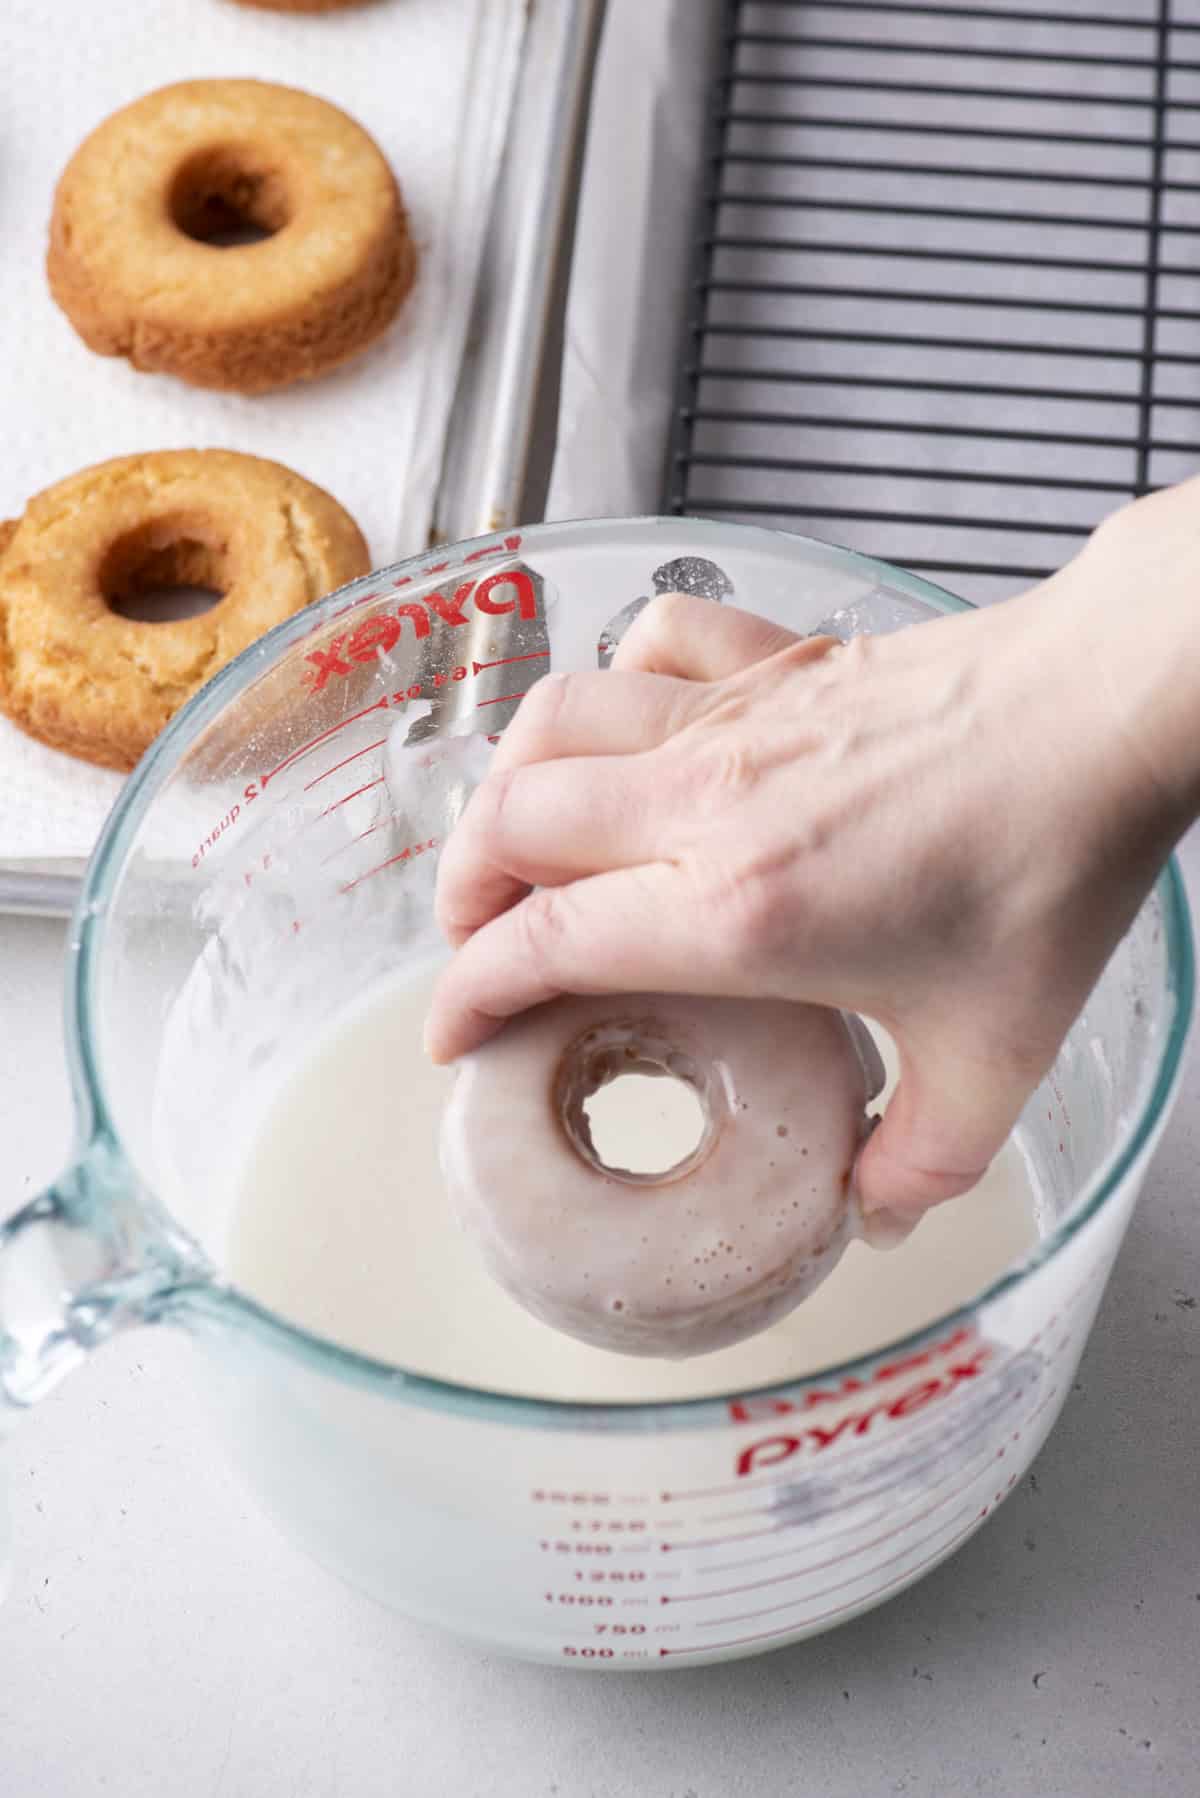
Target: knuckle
x=669, y=610
x=793, y=653
x=544, y=933
x=748, y=911
x=753, y=915
x=658, y=628
x=485, y=821
x=536, y=727
x=452, y=899
x=726, y=772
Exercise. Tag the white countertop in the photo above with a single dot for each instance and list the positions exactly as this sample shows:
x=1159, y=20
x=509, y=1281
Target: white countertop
x=161, y=1637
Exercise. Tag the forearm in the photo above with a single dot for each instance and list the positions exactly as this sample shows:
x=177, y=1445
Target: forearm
x=1130, y=602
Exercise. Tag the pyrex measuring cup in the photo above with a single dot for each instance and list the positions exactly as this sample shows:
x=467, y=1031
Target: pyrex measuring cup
x=261, y=869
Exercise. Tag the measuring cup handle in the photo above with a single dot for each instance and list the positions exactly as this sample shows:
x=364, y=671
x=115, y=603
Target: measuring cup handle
x=76, y=1265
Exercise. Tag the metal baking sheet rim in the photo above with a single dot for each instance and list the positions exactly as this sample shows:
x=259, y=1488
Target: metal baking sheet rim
x=489, y=437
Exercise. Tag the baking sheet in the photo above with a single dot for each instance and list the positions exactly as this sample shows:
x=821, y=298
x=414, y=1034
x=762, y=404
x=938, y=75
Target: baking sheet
x=632, y=257
x=431, y=80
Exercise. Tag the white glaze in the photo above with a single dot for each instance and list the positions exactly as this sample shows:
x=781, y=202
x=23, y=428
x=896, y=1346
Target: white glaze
x=677, y=1264
x=340, y=1223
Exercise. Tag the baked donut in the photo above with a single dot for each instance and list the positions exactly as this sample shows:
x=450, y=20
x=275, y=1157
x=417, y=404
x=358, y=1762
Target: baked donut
x=135, y=258
x=717, y=1247
x=78, y=675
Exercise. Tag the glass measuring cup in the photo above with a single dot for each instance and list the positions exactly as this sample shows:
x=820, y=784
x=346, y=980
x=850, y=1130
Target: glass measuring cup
x=262, y=870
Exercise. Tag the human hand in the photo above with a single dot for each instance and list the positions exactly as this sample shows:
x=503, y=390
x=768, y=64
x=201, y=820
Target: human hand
x=947, y=829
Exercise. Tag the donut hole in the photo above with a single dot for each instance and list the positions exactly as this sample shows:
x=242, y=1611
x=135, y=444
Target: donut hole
x=647, y=1124
x=163, y=571
x=228, y=197
x=635, y=1107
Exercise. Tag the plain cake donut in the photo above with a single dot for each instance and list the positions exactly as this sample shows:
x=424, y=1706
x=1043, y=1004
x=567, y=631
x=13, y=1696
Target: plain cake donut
x=719, y=1246
x=79, y=676
x=135, y=258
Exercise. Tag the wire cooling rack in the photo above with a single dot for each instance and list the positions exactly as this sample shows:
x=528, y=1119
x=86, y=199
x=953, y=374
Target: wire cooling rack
x=946, y=305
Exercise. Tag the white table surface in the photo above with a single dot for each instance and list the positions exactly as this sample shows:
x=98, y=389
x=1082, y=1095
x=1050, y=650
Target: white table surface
x=160, y=1637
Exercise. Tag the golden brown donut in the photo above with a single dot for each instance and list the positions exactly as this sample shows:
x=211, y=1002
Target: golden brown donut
x=78, y=675
x=131, y=264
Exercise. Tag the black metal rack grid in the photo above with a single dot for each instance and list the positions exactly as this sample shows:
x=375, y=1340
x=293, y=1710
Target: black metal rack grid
x=946, y=305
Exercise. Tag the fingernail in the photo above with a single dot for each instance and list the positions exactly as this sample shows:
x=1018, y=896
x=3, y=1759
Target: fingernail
x=885, y=1229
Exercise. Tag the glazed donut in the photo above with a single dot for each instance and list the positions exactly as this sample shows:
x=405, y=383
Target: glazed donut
x=79, y=676
x=134, y=260
x=681, y=1262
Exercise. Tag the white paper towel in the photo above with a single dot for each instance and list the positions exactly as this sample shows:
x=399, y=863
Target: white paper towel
x=431, y=80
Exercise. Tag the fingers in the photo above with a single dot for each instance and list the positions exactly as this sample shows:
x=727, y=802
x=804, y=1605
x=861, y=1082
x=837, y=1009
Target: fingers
x=614, y=933
x=946, y=1121
x=545, y=824
x=591, y=714
x=581, y=806
x=698, y=640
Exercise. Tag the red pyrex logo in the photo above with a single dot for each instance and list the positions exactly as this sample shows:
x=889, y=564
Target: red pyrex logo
x=967, y=1358
x=497, y=595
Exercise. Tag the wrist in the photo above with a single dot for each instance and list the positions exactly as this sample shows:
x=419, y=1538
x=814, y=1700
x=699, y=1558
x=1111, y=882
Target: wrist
x=1126, y=610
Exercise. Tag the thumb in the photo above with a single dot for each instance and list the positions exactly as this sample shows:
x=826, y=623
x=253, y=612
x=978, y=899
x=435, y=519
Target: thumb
x=949, y=1115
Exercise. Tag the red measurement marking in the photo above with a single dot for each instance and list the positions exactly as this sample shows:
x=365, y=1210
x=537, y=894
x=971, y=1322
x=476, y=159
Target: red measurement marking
x=782, y=1554
x=699, y=1542
x=882, y=1488
x=789, y=1603
x=876, y=1491
x=318, y=778
x=347, y=797
x=855, y=1604
x=533, y=655
x=503, y=697
x=350, y=841
x=405, y=855
x=598, y=1576
x=1048, y=1400
x=846, y=1554
x=315, y=742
